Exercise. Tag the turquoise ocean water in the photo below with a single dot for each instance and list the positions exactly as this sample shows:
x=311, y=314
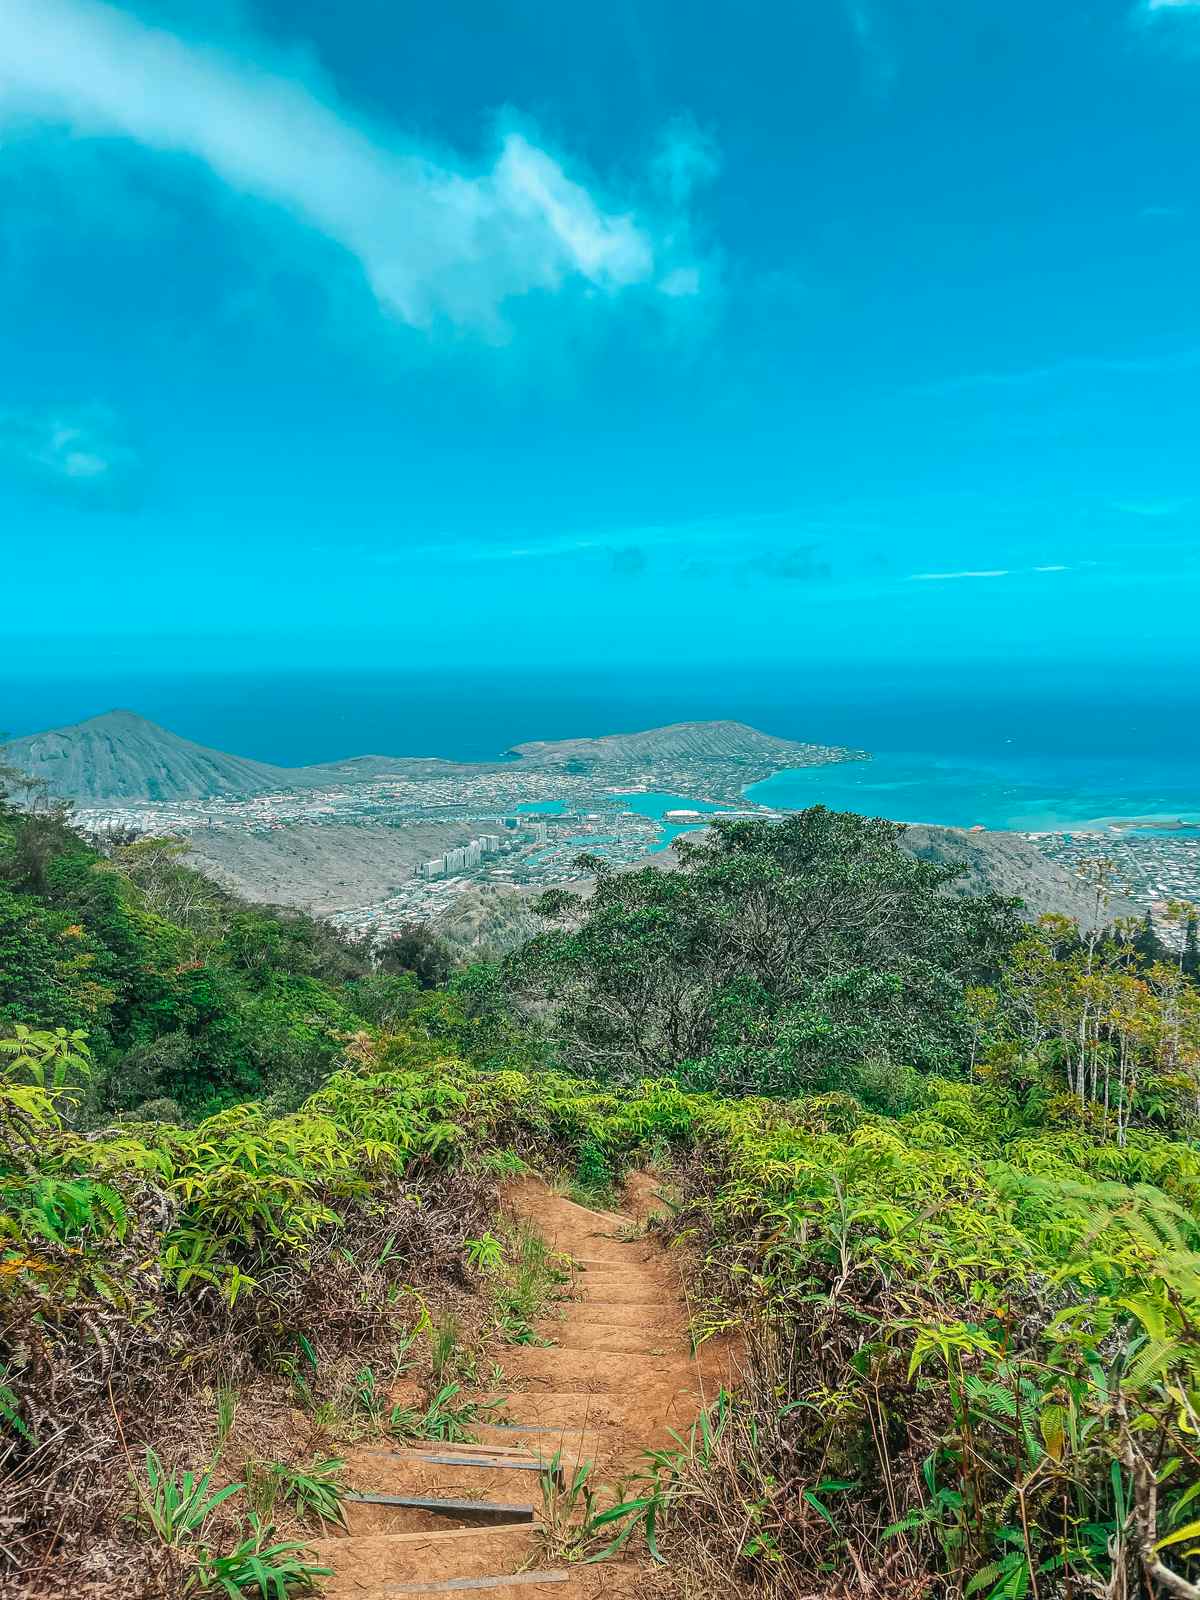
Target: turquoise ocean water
x=1035, y=794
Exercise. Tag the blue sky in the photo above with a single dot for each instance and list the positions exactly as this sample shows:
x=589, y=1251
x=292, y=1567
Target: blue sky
x=382, y=333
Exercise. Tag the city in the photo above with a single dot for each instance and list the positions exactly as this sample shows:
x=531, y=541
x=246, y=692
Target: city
x=511, y=830
x=1151, y=865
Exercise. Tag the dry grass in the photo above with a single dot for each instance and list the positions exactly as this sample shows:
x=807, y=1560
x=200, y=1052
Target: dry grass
x=104, y=1376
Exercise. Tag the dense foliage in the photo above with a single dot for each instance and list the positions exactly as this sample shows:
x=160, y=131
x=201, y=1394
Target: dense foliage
x=145, y=1263
x=780, y=959
x=938, y=1169
x=192, y=999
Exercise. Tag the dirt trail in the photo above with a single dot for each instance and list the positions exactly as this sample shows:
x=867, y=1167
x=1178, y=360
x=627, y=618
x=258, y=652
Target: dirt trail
x=618, y=1375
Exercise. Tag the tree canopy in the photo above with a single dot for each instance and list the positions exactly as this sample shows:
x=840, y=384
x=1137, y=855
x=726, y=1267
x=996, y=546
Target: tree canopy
x=780, y=957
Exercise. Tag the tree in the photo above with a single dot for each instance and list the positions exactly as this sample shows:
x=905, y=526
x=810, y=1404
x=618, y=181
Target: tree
x=780, y=956
x=418, y=950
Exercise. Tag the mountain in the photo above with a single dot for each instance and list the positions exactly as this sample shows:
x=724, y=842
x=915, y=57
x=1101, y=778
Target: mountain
x=121, y=756
x=321, y=870
x=1009, y=865
x=680, y=741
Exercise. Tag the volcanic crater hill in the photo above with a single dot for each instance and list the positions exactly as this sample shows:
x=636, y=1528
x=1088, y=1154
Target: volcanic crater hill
x=122, y=756
x=683, y=742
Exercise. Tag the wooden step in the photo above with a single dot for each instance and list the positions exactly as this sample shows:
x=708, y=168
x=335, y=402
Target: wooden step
x=471, y=1448
x=362, y=1564
x=589, y=1423
x=600, y=1373
x=446, y=1475
x=525, y=1582
x=621, y=1341
x=618, y=1314
x=487, y=1458
x=446, y=1505
x=618, y=1291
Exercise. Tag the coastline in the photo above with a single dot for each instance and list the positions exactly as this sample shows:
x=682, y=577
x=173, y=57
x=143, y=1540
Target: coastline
x=1012, y=797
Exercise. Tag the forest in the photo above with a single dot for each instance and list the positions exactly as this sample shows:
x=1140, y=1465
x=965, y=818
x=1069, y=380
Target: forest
x=935, y=1164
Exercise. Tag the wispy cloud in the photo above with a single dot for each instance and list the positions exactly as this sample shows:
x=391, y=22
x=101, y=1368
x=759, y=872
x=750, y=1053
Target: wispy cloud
x=990, y=572
x=687, y=158
x=877, y=54
x=78, y=455
x=1174, y=21
x=952, y=577
x=436, y=238
x=748, y=546
x=1150, y=508
x=1074, y=366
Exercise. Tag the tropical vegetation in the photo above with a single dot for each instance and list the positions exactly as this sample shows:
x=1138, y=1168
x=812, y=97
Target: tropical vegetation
x=934, y=1166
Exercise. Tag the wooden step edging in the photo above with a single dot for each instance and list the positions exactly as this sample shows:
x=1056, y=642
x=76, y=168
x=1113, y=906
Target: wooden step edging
x=457, y=1451
x=411, y=1502
x=460, y=1585
x=493, y=1463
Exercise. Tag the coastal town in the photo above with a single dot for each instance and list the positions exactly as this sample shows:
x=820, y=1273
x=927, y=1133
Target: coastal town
x=1151, y=865
x=521, y=830
x=524, y=829
x=374, y=843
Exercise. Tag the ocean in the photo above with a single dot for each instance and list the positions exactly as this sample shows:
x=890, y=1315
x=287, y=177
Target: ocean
x=1030, y=793
x=1005, y=749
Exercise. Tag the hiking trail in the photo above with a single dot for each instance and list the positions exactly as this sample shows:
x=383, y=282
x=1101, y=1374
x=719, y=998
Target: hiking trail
x=467, y=1519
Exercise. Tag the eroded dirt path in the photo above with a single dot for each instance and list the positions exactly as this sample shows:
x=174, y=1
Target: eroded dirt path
x=618, y=1375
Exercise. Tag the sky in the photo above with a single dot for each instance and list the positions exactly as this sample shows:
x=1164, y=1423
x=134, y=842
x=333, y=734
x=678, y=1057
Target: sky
x=380, y=334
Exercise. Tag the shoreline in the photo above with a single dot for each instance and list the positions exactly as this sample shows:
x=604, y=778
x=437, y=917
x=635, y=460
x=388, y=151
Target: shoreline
x=944, y=783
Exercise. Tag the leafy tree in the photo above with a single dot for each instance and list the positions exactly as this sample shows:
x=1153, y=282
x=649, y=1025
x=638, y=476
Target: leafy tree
x=416, y=949
x=780, y=957
x=50, y=967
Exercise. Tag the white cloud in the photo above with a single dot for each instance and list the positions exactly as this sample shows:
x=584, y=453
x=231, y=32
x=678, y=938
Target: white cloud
x=950, y=577
x=435, y=238
x=992, y=572
x=79, y=454
x=1177, y=18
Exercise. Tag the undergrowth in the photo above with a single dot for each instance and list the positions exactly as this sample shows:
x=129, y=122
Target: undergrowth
x=972, y=1351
